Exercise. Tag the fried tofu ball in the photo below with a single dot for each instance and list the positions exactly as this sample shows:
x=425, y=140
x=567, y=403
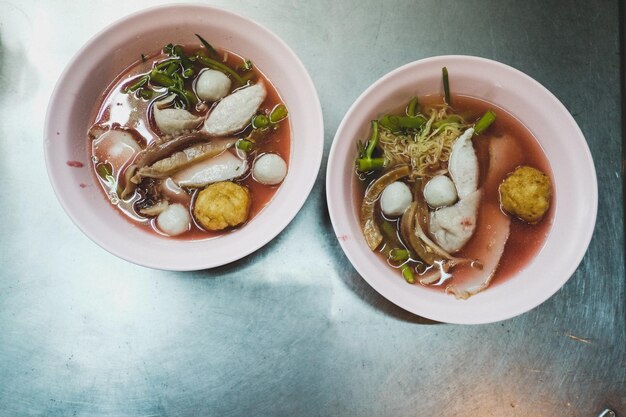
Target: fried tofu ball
x=221, y=205
x=526, y=194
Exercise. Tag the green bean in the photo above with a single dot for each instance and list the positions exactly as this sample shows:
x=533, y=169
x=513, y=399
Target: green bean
x=446, y=86
x=484, y=122
x=278, y=113
x=410, y=110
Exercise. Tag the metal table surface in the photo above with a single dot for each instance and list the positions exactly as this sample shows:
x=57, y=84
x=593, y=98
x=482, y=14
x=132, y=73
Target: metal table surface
x=293, y=329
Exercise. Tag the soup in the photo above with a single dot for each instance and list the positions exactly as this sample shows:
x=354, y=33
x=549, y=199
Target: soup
x=454, y=193
x=190, y=141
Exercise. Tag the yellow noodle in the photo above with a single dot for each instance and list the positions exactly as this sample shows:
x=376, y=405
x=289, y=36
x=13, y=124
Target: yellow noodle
x=428, y=151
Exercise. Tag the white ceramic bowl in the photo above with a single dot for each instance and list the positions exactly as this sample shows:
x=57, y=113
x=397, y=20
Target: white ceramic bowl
x=102, y=59
x=573, y=174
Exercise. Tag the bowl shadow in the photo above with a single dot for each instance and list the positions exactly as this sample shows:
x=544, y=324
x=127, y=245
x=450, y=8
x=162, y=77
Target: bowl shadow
x=355, y=282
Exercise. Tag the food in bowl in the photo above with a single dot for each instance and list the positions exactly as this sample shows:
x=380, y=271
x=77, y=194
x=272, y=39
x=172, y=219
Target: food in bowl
x=176, y=138
x=454, y=192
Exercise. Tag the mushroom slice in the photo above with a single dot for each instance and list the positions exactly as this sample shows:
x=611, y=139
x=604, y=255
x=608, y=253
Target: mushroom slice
x=234, y=112
x=223, y=167
x=173, y=122
x=155, y=209
x=408, y=231
x=463, y=165
x=153, y=153
x=165, y=167
x=370, y=228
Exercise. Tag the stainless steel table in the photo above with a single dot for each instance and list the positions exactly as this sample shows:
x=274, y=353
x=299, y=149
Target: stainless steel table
x=293, y=329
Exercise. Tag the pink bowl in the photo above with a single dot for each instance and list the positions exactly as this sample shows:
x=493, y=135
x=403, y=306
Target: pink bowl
x=105, y=56
x=559, y=136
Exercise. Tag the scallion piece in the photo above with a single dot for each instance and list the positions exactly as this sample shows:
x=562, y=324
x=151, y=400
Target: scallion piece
x=410, y=109
x=365, y=162
x=260, y=121
x=245, y=145
x=408, y=275
x=399, y=255
x=278, y=113
x=484, y=122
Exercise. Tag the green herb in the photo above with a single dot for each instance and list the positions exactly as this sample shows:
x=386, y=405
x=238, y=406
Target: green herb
x=206, y=45
x=216, y=65
x=446, y=86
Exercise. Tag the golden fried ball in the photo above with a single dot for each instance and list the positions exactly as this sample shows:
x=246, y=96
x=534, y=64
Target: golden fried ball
x=526, y=194
x=221, y=205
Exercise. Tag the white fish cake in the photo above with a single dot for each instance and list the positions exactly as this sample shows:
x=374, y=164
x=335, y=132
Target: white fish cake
x=223, y=167
x=463, y=165
x=453, y=226
x=174, y=122
x=234, y=112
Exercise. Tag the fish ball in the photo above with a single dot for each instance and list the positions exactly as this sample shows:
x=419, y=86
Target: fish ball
x=395, y=199
x=212, y=85
x=269, y=169
x=440, y=192
x=174, y=220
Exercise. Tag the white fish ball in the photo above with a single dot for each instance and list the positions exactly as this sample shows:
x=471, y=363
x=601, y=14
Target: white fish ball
x=440, y=192
x=269, y=169
x=395, y=199
x=174, y=220
x=212, y=85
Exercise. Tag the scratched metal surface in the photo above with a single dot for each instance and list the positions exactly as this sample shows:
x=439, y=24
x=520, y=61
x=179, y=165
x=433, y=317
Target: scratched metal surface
x=289, y=331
